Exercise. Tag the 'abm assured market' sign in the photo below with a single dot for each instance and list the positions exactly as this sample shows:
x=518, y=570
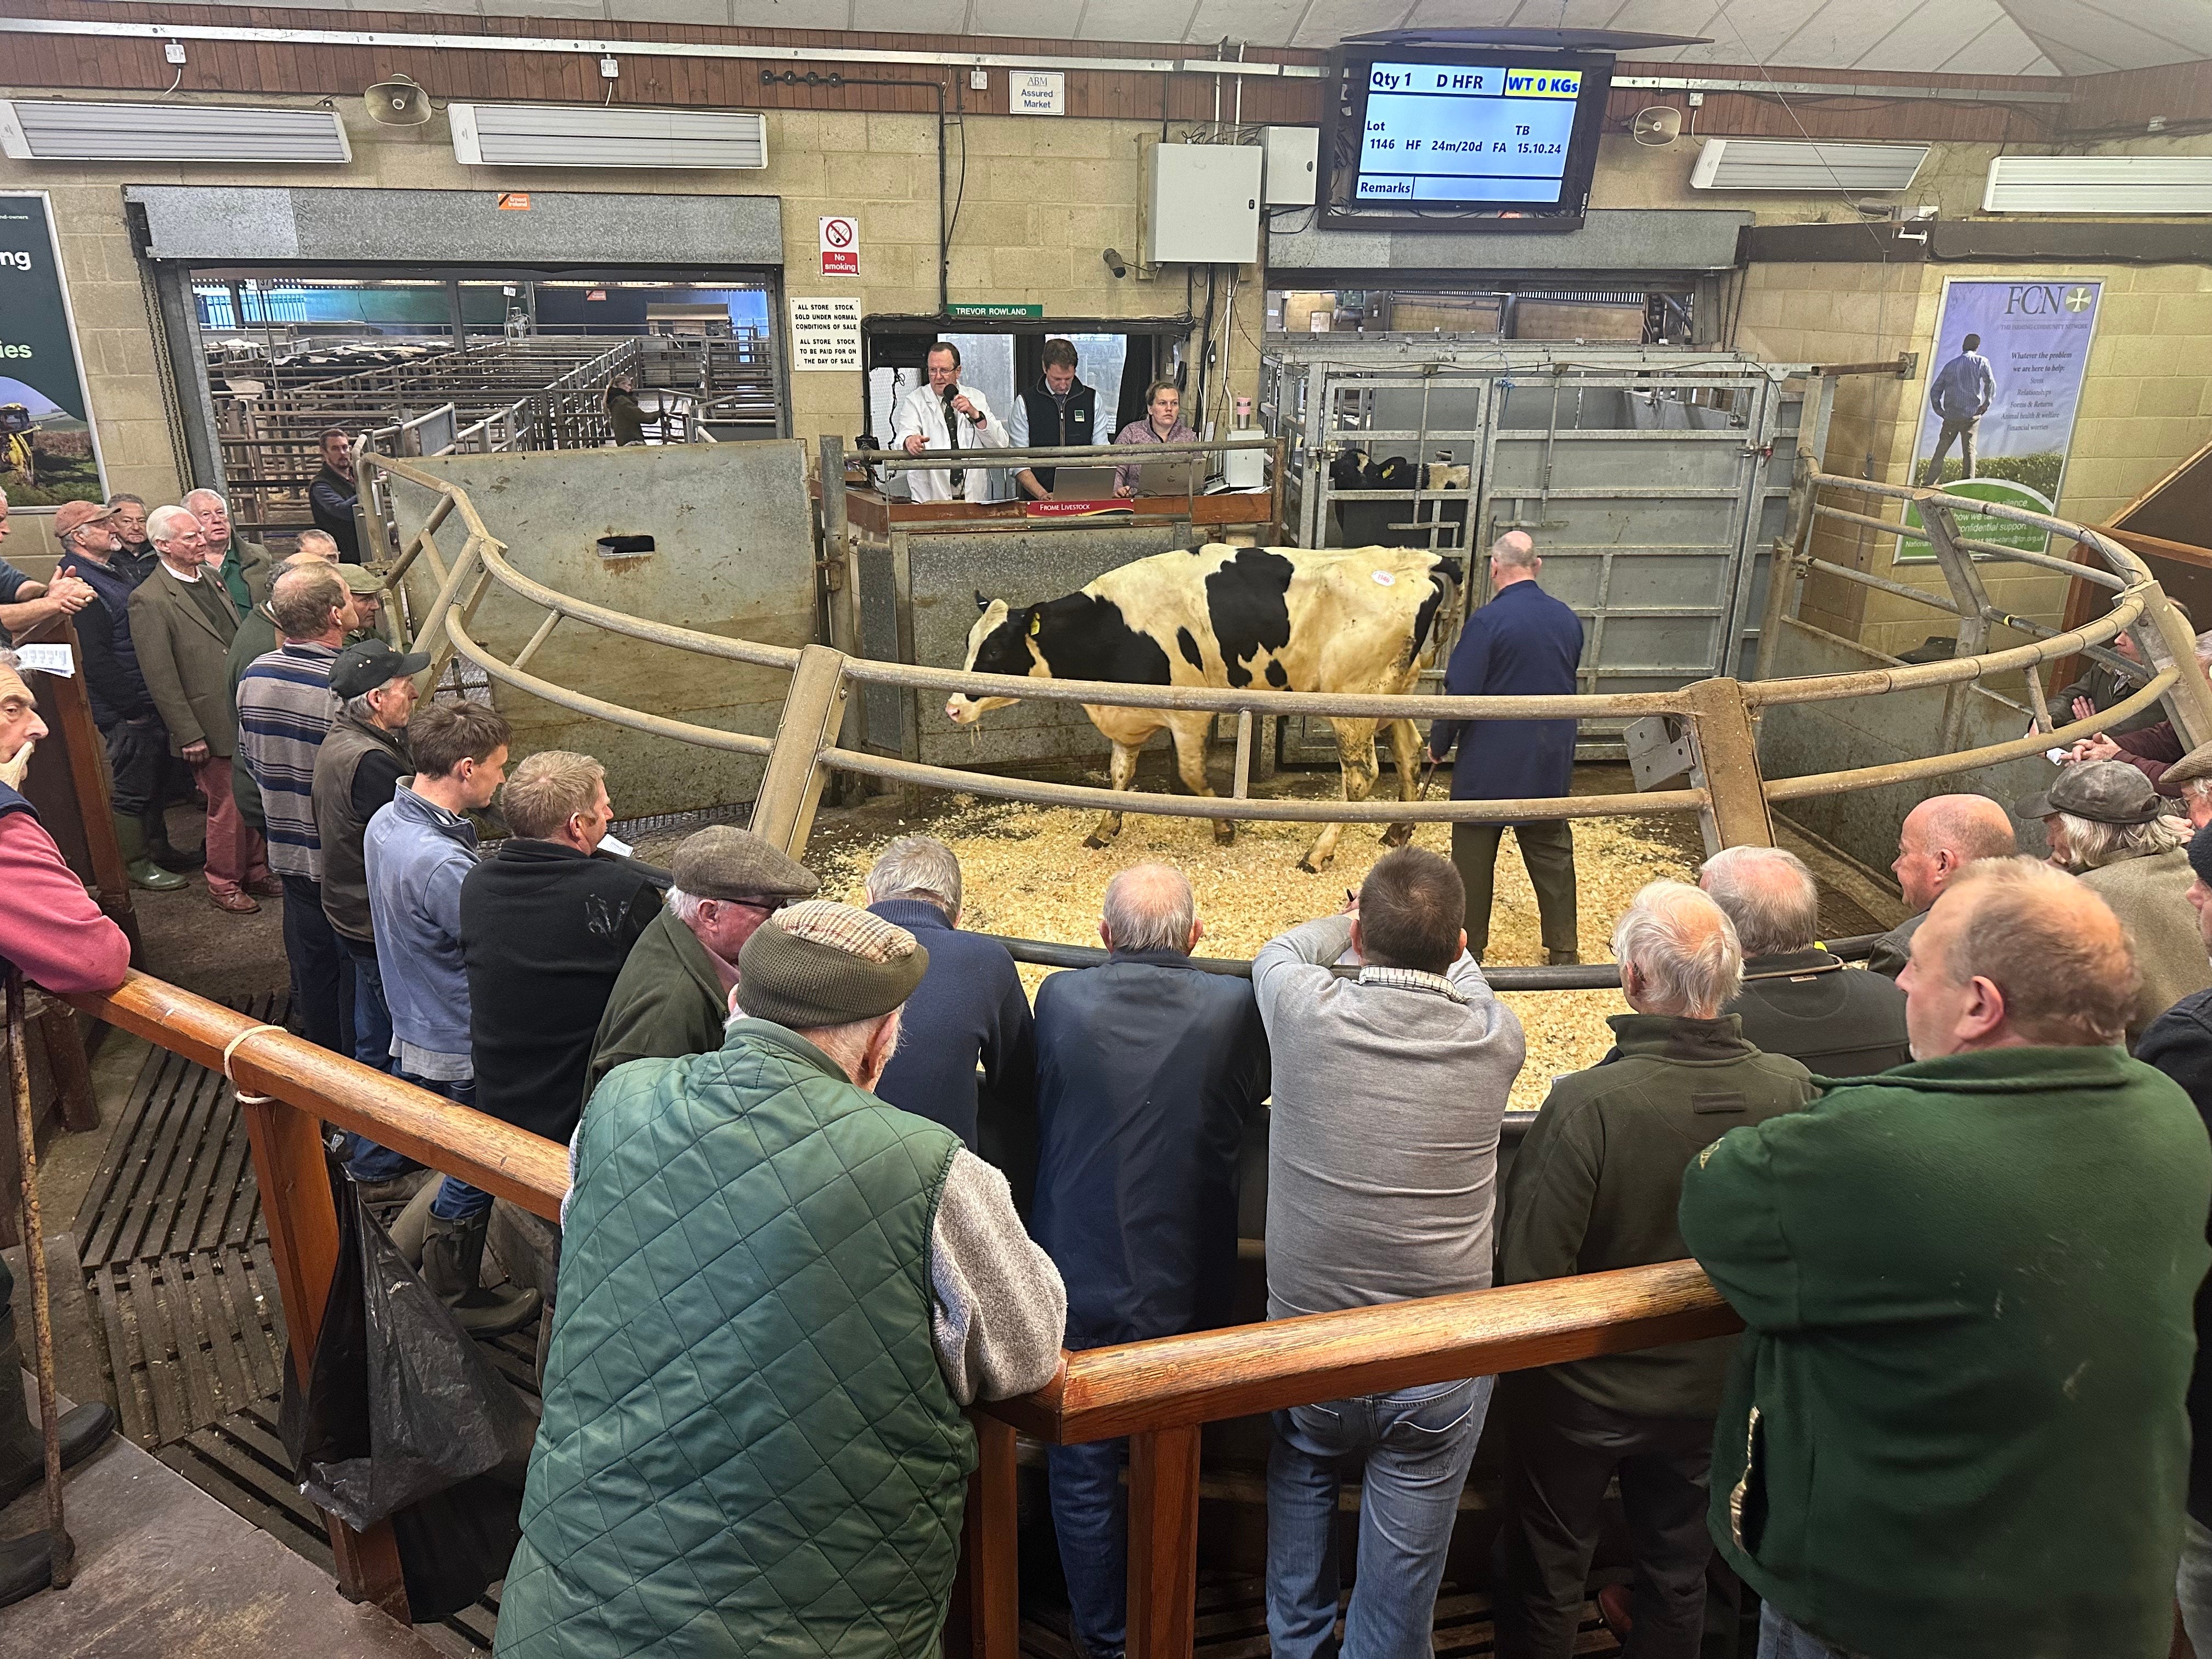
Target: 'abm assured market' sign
x=47, y=452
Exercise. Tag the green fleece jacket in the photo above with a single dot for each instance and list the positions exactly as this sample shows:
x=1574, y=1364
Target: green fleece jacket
x=1955, y=1428
x=1596, y=1183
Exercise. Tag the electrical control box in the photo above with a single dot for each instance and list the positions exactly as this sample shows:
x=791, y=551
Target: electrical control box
x=1202, y=204
x=1293, y=157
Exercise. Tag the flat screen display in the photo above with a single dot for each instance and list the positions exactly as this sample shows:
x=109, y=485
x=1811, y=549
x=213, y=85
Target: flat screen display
x=1501, y=134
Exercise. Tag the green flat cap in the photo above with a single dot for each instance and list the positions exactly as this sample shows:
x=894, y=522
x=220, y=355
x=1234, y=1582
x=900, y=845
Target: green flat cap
x=723, y=862
x=818, y=963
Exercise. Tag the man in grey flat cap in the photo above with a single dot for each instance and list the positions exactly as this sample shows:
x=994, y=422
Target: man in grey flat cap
x=777, y=1292
x=673, y=989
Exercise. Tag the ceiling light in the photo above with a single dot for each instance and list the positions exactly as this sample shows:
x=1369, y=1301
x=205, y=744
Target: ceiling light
x=51, y=130
x=593, y=136
x=2098, y=183
x=1806, y=169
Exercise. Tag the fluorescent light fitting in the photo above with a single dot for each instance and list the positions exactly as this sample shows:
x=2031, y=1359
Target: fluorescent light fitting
x=595, y=135
x=52, y=130
x=1804, y=167
x=2098, y=183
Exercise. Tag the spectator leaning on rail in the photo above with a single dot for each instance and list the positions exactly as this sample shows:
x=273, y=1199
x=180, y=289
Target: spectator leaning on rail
x=26, y=603
x=1796, y=998
x=52, y=931
x=182, y=624
x=2108, y=825
x=1595, y=1186
x=285, y=707
x=968, y=1013
x=242, y=565
x=777, y=1295
x=2150, y=746
x=1147, y=1070
x=1522, y=643
x=673, y=995
x=1938, y=838
x=1382, y=1185
x=418, y=849
x=139, y=763
x=1968, y=1284
x=547, y=923
x=2179, y=1044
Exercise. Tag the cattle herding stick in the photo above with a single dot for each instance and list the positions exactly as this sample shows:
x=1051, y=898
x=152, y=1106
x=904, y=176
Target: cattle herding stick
x=60, y=1551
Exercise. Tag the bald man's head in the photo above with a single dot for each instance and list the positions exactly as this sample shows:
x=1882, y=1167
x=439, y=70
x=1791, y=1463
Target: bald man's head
x=1942, y=836
x=1515, y=551
x=2018, y=954
x=1150, y=906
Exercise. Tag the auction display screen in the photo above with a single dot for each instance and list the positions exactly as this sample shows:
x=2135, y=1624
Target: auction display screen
x=1467, y=133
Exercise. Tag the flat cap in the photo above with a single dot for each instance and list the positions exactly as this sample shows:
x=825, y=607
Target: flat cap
x=819, y=964
x=359, y=579
x=2196, y=763
x=2103, y=791
x=721, y=862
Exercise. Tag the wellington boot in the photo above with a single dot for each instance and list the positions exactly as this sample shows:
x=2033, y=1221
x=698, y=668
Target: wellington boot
x=131, y=841
x=84, y=1429
x=159, y=849
x=26, y=1567
x=412, y=1225
x=453, y=1258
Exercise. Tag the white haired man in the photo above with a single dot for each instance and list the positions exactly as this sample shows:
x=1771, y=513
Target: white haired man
x=1147, y=1070
x=182, y=624
x=1989, y=1257
x=1595, y=1186
x=1522, y=643
x=1796, y=998
x=968, y=1013
x=241, y=565
x=1938, y=838
x=777, y=1293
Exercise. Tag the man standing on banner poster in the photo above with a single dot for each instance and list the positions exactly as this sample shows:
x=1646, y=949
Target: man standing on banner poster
x=1960, y=395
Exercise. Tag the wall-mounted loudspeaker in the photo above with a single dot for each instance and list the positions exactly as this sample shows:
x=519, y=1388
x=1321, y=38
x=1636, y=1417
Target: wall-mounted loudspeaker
x=1657, y=126
x=397, y=102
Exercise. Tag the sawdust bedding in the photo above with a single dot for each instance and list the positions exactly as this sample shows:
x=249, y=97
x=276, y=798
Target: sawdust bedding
x=1027, y=874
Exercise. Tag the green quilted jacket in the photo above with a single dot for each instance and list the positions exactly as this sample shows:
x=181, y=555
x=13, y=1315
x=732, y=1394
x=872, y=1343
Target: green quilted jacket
x=747, y=1447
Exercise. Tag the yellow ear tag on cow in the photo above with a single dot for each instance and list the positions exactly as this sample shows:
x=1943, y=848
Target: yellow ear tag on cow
x=1036, y=624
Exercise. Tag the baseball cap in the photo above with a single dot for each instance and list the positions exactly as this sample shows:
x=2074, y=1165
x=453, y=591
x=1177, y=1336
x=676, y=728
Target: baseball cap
x=75, y=515
x=2103, y=791
x=361, y=668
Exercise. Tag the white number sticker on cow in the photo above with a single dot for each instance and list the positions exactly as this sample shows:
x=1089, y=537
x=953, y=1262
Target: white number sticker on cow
x=1383, y=578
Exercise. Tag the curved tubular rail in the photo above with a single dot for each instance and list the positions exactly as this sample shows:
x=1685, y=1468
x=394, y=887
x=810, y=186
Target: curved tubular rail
x=1252, y=809
x=524, y=1168
x=1180, y=1381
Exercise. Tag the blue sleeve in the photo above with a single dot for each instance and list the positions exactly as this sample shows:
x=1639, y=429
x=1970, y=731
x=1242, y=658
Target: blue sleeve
x=12, y=582
x=1463, y=677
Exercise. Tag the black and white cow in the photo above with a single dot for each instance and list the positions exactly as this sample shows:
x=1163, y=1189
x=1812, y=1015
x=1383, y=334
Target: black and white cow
x=1289, y=618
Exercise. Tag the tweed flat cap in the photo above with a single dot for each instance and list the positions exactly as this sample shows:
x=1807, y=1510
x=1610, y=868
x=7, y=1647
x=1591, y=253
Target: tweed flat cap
x=2103, y=791
x=2196, y=763
x=721, y=862
x=359, y=579
x=821, y=964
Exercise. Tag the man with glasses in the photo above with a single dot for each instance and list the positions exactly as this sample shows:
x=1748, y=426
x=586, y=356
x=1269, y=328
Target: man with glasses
x=673, y=993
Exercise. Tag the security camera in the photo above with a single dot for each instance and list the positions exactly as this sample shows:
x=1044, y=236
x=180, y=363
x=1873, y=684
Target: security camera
x=1114, y=262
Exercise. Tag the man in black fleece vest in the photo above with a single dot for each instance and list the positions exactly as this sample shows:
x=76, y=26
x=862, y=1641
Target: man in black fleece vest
x=546, y=924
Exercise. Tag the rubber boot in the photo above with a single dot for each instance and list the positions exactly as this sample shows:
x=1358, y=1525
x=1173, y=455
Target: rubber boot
x=131, y=841
x=412, y=1225
x=84, y=1428
x=159, y=849
x=26, y=1567
x=453, y=1258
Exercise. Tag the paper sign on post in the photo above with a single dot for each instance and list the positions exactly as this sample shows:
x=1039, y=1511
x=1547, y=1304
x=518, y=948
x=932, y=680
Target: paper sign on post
x=840, y=245
x=825, y=332
x=1036, y=92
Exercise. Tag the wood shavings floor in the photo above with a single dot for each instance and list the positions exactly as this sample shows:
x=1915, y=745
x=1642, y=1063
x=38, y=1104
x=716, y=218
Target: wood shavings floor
x=1027, y=874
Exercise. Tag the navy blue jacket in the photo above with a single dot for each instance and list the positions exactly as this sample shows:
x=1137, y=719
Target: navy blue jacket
x=1147, y=1069
x=1524, y=643
x=2179, y=1043
x=111, y=680
x=968, y=1009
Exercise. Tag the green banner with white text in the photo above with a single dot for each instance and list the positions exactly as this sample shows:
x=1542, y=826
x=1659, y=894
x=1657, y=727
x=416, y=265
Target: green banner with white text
x=47, y=452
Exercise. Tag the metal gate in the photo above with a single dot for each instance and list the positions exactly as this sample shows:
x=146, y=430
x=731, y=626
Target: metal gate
x=1655, y=482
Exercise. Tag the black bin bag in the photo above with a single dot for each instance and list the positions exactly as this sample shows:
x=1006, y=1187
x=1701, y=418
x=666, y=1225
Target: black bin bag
x=403, y=1419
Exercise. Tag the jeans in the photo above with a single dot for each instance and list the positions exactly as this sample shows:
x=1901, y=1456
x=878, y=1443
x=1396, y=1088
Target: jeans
x=1090, y=1514
x=1416, y=1445
x=1781, y=1637
x=311, y=945
x=2192, y=1585
x=456, y=1200
x=1960, y=429
x=1561, y=1451
x=366, y=1161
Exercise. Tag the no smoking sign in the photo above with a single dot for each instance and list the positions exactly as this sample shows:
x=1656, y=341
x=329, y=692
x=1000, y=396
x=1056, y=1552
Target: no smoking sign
x=840, y=245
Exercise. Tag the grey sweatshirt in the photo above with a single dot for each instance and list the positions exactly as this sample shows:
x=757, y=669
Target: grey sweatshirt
x=1383, y=1150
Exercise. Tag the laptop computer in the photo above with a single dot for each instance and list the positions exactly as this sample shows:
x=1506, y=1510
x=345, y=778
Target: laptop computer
x=1171, y=478
x=1082, y=483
